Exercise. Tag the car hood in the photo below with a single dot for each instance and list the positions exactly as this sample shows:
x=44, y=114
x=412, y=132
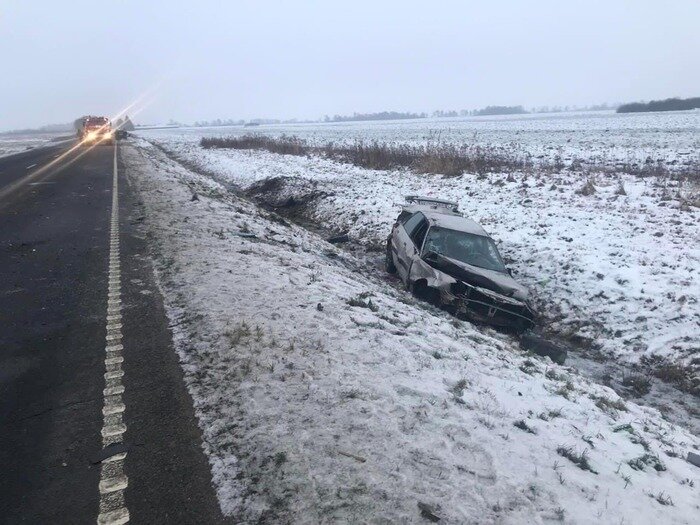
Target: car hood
x=498, y=282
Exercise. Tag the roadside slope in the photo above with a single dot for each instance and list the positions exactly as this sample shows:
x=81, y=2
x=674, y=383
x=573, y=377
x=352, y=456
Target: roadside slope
x=324, y=394
x=613, y=272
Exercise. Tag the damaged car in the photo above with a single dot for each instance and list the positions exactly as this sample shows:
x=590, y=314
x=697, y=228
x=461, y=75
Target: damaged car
x=452, y=262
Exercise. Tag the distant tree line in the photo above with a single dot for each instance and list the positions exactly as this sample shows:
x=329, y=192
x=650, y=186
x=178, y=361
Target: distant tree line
x=398, y=115
x=382, y=115
x=49, y=128
x=241, y=122
x=563, y=109
x=670, y=104
x=219, y=122
x=501, y=110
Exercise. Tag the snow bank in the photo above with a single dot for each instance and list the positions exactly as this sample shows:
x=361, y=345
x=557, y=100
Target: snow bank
x=616, y=273
x=314, y=410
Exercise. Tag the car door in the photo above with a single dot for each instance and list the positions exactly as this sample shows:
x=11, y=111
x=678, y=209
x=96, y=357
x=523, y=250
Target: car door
x=403, y=248
x=417, y=238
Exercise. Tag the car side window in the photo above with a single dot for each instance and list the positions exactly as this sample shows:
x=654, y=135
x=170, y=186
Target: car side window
x=411, y=224
x=403, y=217
x=419, y=234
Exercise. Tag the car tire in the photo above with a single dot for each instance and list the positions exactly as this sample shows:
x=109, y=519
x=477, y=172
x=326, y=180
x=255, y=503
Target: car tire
x=390, y=266
x=425, y=293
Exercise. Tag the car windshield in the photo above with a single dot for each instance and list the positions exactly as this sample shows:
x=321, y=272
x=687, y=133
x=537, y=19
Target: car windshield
x=476, y=250
x=96, y=123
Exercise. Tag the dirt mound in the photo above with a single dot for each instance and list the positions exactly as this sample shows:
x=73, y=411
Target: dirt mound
x=287, y=196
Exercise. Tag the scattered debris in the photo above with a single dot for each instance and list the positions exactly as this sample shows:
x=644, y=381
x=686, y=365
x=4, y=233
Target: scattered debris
x=540, y=346
x=107, y=452
x=427, y=512
x=694, y=458
x=353, y=456
x=337, y=239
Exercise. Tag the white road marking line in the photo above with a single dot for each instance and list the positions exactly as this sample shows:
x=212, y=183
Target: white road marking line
x=113, y=409
x=30, y=166
x=113, y=391
x=113, y=481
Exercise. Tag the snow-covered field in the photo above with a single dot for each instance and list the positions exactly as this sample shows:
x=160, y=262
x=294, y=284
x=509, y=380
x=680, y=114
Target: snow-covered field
x=602, y=138
x=617, y=274
x=314, y=410
x=10, y=144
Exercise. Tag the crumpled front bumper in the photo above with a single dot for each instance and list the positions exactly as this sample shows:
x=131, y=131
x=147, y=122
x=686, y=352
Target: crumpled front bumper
x=487, y=306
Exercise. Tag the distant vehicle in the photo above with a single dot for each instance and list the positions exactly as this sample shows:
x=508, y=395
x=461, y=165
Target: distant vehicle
x=452, y=262
x=95, y=130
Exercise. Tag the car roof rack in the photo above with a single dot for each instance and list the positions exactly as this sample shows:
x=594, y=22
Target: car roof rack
x=416, y=202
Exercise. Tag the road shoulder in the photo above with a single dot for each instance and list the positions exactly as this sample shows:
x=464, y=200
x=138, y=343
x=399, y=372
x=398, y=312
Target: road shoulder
x=169, y=477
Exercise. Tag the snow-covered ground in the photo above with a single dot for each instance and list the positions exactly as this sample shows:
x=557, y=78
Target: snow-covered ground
x=601, y=138
x=10, y=144
x=618, y=274
x=327, y=395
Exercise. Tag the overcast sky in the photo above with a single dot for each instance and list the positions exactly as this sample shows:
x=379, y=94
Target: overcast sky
x=203, y=60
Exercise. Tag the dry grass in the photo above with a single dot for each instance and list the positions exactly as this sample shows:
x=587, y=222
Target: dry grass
x=609, y=406
x=638, y=384
x=647, y=460
x=284, y=145
x=580, y=460
x=676, y=374
x=522, y=425
x=587, y=189
x=442, y=158
x=363, y=301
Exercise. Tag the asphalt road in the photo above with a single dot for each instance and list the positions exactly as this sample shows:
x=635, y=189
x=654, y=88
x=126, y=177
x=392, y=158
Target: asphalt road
x=55, y=208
